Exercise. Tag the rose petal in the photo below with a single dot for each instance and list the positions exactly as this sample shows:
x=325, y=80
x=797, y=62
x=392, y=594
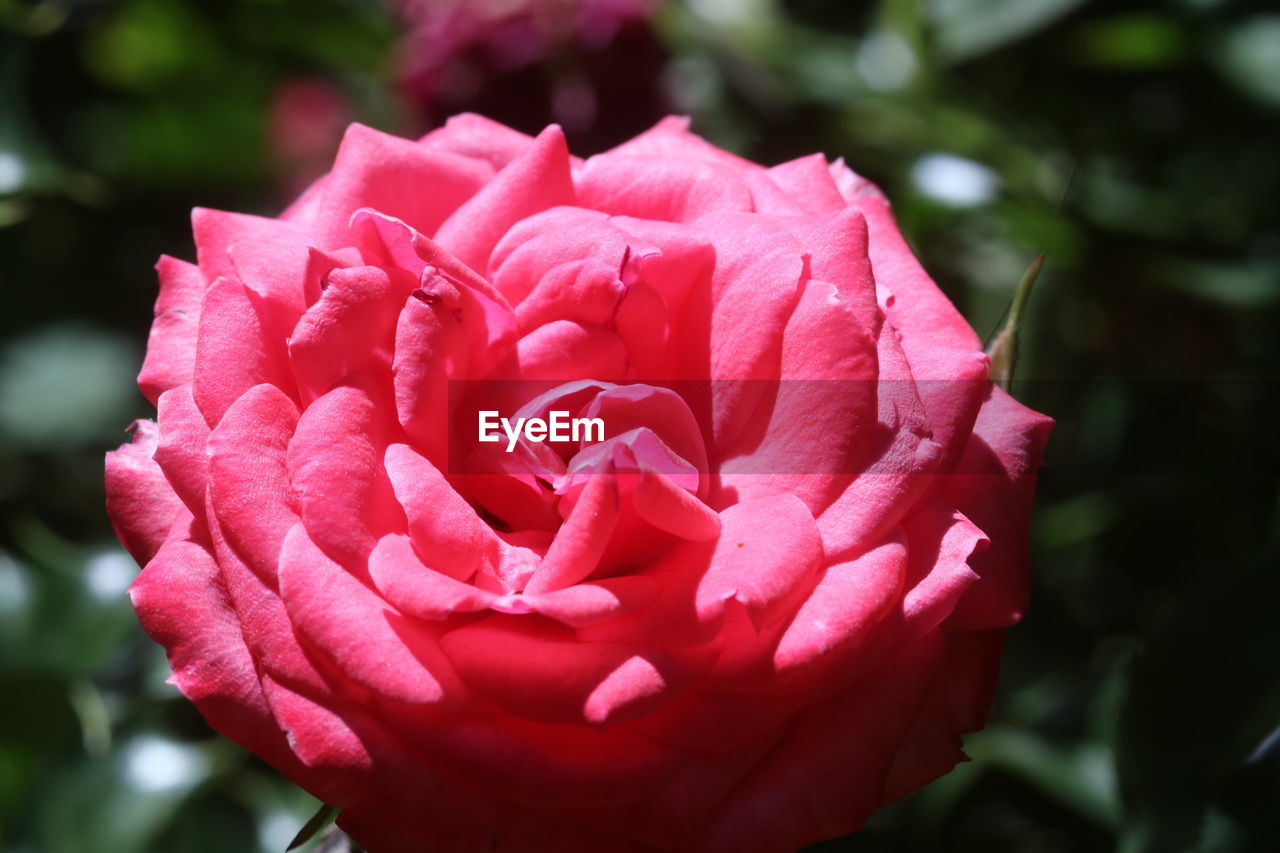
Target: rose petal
x=588, y=603
x=268, y=633
x=384, y=172
x=994, y=485
x=579, y=544
x=736, y=333
x=827, y=775
x=940, y=542
x=482, y=138
x=818, y=426
x=350, y=328
x=182, y=453
x=446, y=531
x=216, y=231
x=680, y=260
x=849, y=602
x=535, y=180
x=544, y=674
x=943, y=351
x=667, y=506
x=233, y=353
x=851, y=185
x=585, y=290
x=412, y=588
x=431, y=347
x=171, y=344
x=535, y=246
x=671, y=138
x=809, y=183
x=183, y=606
x=335, y=467
x=958, y=701
x=142, y=505
x=901, y=464
x=767, y=547
x=275, y=271
x=249, y=489
x=368, y=641
x=564, y=350
x=666, y=189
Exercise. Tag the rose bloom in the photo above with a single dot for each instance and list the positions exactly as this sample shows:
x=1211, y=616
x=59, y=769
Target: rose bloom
x=743, y=621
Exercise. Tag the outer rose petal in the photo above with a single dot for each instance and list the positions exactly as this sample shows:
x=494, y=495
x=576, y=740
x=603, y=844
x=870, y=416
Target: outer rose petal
x=941, y=348
x=181, y=451
x=829, y=773
x=994, y=485
x=143, y=507
x=958, y=701
x=182, y=604
x=171, y=346
x=233, y=353
x=217, y=231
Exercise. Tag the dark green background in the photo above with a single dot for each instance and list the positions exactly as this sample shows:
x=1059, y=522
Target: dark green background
x=1136, y=144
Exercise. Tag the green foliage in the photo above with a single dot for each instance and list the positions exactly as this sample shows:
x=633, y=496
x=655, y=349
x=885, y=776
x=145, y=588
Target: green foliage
x=1133, y=144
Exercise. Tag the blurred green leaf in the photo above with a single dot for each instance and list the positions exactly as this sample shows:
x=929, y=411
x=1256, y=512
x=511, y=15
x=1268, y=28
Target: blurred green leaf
x=65, y=385
x=1082, y=778
x=1201, y=696
x=1249, y=55
x=1138, y=42
x=148, y=44
x=1232, y=285
x=120, y=804
x=967, y=28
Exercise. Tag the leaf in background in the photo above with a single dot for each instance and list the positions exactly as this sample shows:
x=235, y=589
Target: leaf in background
x=1080, y=779
x=26, y=163
x=968, y=28
x=1138, y=42
x=120, y=804
x=65, y=386
x=1243, y=286
x=1201, y=697
x=1250, y=57
x=318, y=821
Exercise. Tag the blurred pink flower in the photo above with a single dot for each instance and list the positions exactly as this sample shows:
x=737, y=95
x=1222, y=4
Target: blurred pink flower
x=592, y=66
x=305, y=122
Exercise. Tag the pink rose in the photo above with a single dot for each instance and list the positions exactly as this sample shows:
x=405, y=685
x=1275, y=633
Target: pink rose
x=749, y=616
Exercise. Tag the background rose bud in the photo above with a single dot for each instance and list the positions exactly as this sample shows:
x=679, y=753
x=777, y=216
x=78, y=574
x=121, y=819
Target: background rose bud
x=594, y=66
x=749, y=649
